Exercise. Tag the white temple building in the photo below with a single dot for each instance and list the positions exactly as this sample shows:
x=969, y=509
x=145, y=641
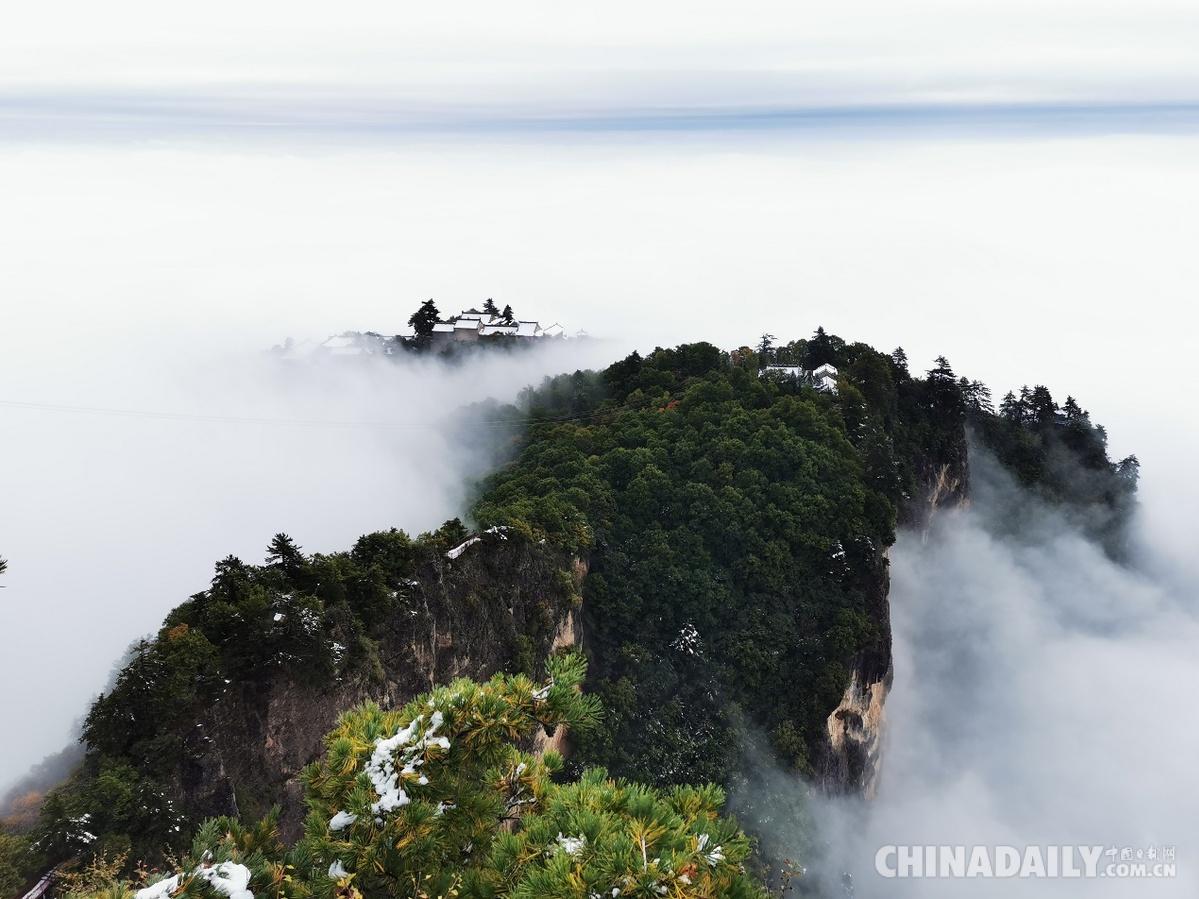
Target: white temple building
x=823, y=377
x=472, y=324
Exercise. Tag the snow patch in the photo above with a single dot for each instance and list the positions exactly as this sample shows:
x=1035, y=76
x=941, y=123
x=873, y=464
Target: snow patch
x=571, y=845
x=229, y=878
x=159, y=890
x=381, y=769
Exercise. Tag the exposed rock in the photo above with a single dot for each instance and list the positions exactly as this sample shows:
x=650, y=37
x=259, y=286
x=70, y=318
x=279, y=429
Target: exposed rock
x=850, y=761
x=503, y=604
x=855, y=734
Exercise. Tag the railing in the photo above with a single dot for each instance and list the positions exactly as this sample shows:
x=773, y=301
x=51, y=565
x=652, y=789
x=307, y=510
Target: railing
x=42, y=887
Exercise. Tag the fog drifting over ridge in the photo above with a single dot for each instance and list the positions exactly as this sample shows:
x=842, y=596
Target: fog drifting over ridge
x=1040, y=697
x=111, y=518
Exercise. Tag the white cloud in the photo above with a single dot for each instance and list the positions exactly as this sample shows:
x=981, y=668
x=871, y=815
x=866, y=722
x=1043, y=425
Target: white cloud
x=1038, y=699
x=111, y=520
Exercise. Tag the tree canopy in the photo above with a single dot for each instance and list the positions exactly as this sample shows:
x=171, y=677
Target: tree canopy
x=438, y=799
x=424, y=318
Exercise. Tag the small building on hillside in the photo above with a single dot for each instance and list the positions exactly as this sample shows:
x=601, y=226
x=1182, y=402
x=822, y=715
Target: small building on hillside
x=823, y=377
x=471, y=325
x=357, y=343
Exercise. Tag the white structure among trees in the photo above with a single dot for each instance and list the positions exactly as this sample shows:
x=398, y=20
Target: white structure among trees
x=472, y=324
x=823, y=377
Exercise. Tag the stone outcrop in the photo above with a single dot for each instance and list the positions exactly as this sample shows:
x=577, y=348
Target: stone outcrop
x=503, y=605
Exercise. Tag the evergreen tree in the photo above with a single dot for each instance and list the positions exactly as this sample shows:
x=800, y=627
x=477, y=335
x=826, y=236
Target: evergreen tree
x=439, y=800
x=765, y=349
x=942, y=372
x=413, y=799
x=283, y=551
x=1072, y=411
x=507, y=315
x=490, y=308
x=230, y=578
x=900, y=358
x=1023, y=407
x=1129, y=468
x=822, y=349
x=3, y=565
x=976, y=395
x=286, y=556
x=1041, y=405
x=424, y=318
x=1009, y=407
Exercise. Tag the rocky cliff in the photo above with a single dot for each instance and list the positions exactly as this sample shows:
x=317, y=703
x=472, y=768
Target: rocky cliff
x=503, y=604
x=851, y=759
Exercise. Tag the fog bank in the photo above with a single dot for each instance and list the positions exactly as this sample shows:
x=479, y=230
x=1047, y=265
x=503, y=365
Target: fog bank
x=1041, y=696
x=147, y=462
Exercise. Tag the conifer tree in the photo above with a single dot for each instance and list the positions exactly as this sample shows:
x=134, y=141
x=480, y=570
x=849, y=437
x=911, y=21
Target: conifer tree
x=490, y=308
x=1129, y=468
x=283, y=551
x=822, y=349
x=1009, y=407
x=900, y=358
x=941, y=372
x=438, y=800
x=766, y=349
x=976, y=395
x=1072, y=410
x=1041, y=405
x=424, y=318
x=507, y=315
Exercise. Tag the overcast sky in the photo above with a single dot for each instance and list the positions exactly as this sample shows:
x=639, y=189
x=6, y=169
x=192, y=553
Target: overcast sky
x=1011, y=185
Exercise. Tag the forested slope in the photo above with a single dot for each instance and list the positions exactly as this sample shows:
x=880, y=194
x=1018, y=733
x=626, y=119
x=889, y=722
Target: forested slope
x=718, y=537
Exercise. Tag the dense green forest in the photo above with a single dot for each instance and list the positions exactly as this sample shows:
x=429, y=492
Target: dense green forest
x=733, y=528
x=736, y=527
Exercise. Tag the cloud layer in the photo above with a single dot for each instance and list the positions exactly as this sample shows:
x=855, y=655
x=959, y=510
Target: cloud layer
x=111, y=519
x=1040, y=698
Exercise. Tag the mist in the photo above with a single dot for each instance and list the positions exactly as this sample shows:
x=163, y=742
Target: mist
x=1041, y=696
x=138, y=464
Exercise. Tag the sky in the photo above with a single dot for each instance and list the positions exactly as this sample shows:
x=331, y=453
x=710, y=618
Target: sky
x=1012, y=185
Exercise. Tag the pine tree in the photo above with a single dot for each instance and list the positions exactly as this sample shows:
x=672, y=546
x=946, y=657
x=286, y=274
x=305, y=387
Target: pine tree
x=976, y=395
x=438, y=800
x=822, y=349
x=1009, y=407
x=900, y=358
x=1073, y=411
x=424, y=318
x=1024, y=406
x=490, y=308
x=942, y=372
x=1041, y=405
x=766, y=349
x=283, y=553
x=507, y=315
x=1129, y=468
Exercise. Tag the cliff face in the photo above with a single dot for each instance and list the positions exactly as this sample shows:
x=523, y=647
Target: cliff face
x=503, y=604
x=851, y=758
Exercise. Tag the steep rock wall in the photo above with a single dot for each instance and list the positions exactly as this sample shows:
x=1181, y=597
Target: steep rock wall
x=851, y=759
x=503, y=604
